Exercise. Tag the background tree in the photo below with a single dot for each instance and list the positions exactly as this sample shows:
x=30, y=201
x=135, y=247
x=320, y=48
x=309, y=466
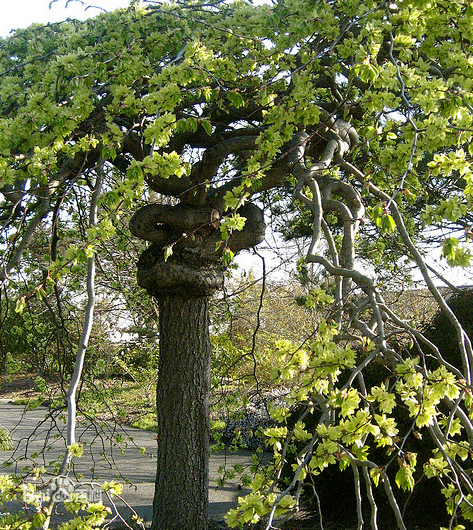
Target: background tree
x=356, y=106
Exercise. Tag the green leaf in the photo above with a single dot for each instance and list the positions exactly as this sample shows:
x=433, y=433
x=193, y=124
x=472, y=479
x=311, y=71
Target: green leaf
x=375, y=474
x=405, y=479
x=20, y=305
x=167, y=252
x=109, y=152
x=366, y=71
x=235, y=98
x=76, y=450
x=207, y=126
x=38, y=519
x=82, y=256
x=456, y=255
x=227, y=256
x=387, y=223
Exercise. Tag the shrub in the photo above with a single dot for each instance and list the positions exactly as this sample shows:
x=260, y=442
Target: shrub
x=441, y=332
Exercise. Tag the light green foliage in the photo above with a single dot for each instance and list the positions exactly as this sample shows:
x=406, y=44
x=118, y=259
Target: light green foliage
x=255, y=505
x=383, y=219
x=85, y=515
x=357, y=424
x=5, y=439
x=75, y=76
x=455, y=254
x=145, y=94
x=404, y=478
x=76, y=450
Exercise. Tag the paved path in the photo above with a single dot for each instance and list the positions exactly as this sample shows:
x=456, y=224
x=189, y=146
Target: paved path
x=110, y=453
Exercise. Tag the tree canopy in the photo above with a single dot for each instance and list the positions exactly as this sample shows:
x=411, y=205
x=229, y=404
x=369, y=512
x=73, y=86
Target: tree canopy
x=128, y=91
x=354, y=115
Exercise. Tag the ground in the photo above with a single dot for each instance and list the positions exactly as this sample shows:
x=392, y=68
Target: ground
x=129, y=404
x=121, y=400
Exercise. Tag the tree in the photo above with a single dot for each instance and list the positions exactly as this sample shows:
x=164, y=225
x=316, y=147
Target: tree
x=357, y=107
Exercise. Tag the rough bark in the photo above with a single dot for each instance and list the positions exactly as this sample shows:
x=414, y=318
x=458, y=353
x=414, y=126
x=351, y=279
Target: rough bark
x=185, y=272
x=183, y=283
x=181, y=493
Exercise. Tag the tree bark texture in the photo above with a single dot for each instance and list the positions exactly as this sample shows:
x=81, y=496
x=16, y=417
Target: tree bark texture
x=182, y=268
x=181, y=493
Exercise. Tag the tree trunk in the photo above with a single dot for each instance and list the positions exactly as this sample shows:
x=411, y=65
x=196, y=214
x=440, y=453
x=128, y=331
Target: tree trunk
x=182, y=282
x=181, y=493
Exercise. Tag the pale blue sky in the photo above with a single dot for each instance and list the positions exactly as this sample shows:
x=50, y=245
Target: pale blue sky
x=22, y=13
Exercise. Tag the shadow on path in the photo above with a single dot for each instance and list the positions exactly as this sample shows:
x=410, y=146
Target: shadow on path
x=111, y=452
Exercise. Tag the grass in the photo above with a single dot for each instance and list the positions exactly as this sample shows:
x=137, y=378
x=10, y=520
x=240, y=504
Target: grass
x=146, y=423
x=30, y=403
x=127, y=402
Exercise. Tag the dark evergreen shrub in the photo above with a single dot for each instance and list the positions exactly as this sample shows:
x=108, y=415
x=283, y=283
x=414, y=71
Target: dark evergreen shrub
x=442, y=333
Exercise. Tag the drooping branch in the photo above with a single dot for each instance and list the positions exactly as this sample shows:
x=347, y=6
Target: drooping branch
x=88, y=320
x=463, y=339
x=348, y=206
x=46, y=192
x=82, y=346
x=305, y=177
